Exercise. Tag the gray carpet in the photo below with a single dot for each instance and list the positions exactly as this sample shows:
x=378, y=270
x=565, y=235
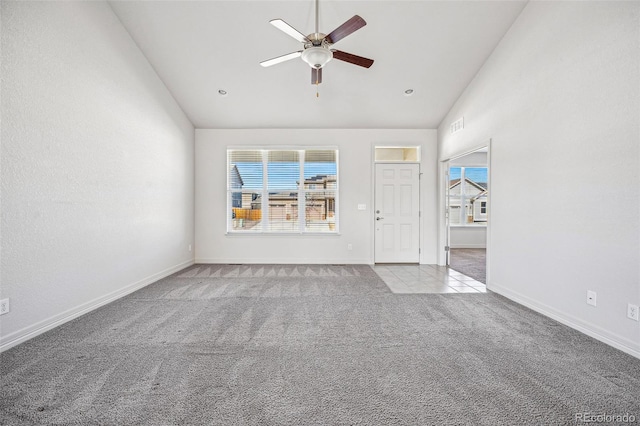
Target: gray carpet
x=311, y=345
x=471, y=262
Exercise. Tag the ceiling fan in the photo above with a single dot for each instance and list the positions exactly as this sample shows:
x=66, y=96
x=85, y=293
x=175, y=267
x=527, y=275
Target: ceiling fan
x=317, y=51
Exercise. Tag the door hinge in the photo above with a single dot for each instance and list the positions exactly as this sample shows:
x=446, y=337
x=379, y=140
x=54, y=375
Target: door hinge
x=419, y=214
x=446, y=248
x=419, y=250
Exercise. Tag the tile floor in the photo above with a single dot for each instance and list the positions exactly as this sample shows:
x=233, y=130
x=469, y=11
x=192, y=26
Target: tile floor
x=426, y=279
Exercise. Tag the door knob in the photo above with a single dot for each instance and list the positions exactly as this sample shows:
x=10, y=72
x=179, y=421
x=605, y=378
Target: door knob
x=379, y=218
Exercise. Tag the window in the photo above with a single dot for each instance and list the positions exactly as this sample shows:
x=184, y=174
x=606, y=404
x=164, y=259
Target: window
x=467, y=195
x=397, y=153
x=282, y=191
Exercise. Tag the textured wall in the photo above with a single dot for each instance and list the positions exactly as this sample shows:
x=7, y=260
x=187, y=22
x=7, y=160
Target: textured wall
x=97, y=165
x=356, y=187
x=560, y=100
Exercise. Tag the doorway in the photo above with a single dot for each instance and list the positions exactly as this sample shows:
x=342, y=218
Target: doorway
x=467, y=213
x=397, y=213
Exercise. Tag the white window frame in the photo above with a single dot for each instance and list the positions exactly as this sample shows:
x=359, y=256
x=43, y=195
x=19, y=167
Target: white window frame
x=302, y=192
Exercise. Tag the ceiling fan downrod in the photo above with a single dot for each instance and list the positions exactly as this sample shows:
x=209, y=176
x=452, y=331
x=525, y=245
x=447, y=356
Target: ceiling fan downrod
x=317, y=32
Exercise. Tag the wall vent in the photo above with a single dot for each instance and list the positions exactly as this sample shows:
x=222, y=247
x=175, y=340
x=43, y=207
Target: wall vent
x=457, y=125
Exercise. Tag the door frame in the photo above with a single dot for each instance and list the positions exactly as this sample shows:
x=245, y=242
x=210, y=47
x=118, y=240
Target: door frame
x=372, y=221
x=375, y=165
x=443, y=231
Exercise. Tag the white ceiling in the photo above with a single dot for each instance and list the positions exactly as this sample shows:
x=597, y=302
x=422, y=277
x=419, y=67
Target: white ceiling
x=432, y=47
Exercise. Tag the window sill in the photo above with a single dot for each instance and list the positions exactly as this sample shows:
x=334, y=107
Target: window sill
x=280, y=234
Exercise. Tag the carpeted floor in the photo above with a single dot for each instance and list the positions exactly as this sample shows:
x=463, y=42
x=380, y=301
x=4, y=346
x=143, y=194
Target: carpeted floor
x=311, y=345
x=471, y=262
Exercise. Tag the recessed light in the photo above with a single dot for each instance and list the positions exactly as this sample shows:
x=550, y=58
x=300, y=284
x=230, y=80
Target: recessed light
x=408, y=92
x=222, y=92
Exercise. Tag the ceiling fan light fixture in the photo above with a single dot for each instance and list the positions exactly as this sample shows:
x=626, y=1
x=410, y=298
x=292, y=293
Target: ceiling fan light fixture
x=317, y=57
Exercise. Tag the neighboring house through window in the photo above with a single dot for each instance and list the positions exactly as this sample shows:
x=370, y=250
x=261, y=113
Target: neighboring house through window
x=265, y=194
x=235, y=183
x=467, y=195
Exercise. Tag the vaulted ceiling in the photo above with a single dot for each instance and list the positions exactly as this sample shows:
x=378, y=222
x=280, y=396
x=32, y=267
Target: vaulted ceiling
x=434, y=48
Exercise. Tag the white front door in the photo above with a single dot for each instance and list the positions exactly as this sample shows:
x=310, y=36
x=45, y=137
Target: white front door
x=397, y=213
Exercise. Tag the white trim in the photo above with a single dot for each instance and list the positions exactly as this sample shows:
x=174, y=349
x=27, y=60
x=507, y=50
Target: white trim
x=265, y=191
x=489, y=208
x=396, y=162
x=420, y=209
x=282, y=147
x=485, y=144
x=280, y=261
x=625, y=345
x=441, y=255
x=29, y=332
x=443, y=237
x=372, y=185
x=398, y=145
x=280, y=233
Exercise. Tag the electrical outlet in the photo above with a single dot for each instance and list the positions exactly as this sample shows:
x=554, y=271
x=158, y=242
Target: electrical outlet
x=591, y=298
x=349, y=246
x=4, y=306
x=189, y=247
x=632, y=311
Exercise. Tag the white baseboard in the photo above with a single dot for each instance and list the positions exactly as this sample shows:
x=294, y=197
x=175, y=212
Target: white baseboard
x=280, y=261
x=29, y=332
x=625, y=345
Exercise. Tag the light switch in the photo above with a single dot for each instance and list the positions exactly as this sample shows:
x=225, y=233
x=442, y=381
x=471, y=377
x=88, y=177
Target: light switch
x=362, y=206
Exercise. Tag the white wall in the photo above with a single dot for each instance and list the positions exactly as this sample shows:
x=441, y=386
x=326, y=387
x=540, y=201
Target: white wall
x=560, y=100
x=468, y=236
x=97, y=166
x=474, y=159
x=356, y=187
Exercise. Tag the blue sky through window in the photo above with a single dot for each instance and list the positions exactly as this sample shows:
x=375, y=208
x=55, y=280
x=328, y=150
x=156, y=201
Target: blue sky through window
x=317, y=169
x=282, y=175
x=476, y=174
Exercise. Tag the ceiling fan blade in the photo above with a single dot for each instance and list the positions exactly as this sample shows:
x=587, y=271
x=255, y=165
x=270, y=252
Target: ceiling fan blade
x=352, y=59
x=282, y=58
x=316, y=75
x=345, y=29
x=288, y=29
